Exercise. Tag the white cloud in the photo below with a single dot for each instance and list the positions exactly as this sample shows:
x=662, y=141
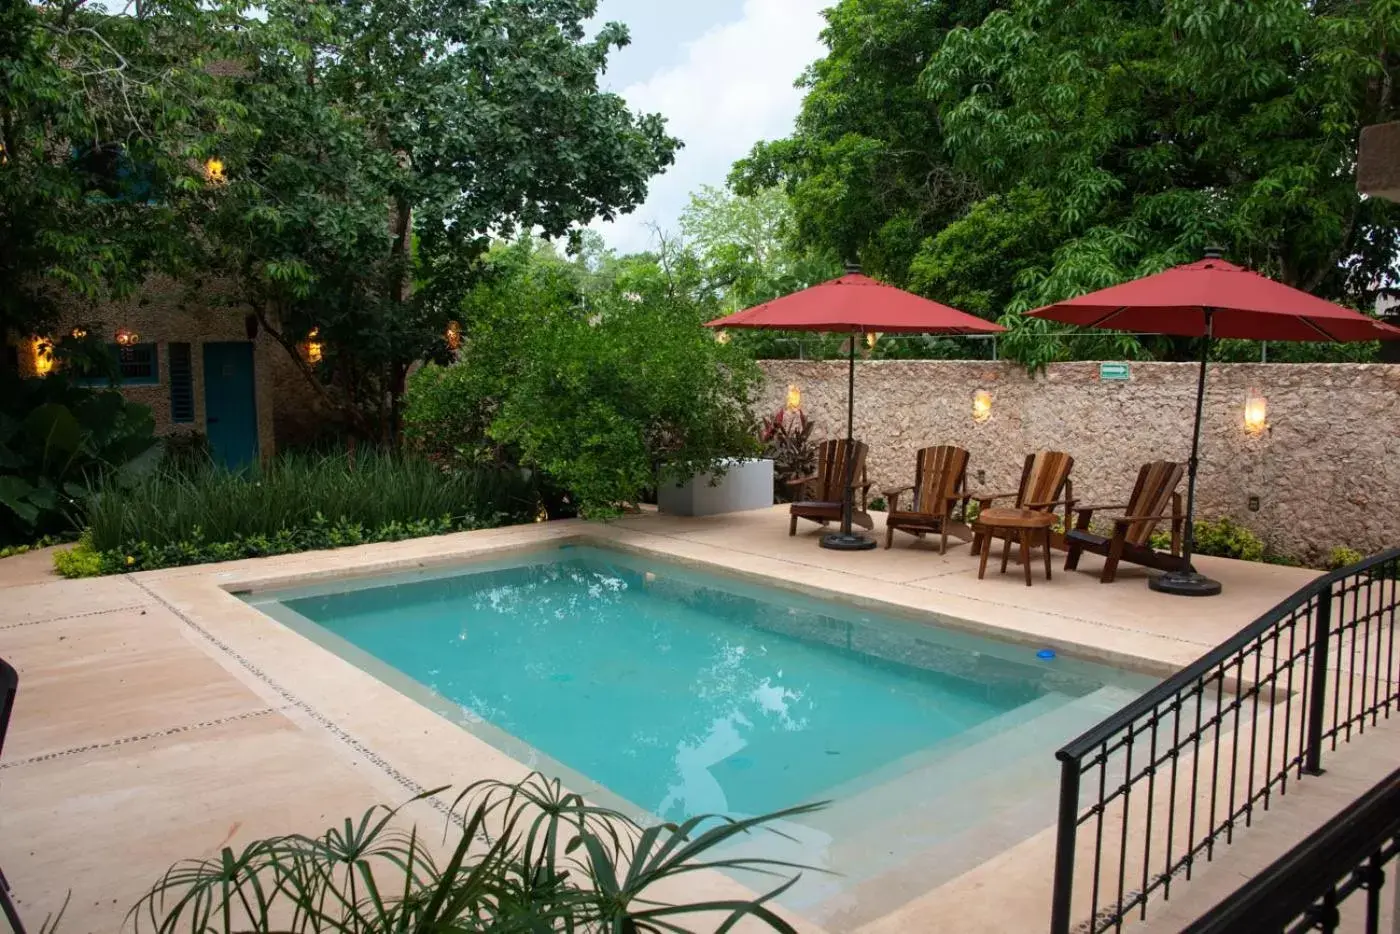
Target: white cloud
x=734, y=88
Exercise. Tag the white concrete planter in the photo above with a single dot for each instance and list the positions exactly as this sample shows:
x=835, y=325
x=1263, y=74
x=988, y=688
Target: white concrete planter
x=746, y=484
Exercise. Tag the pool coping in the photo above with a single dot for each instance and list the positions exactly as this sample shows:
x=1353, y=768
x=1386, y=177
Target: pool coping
x=413, y=748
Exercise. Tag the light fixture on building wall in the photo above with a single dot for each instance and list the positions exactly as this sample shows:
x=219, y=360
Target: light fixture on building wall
x=43, y=356
x=794, y=399
x=214, y=170
x=453, y=336
x=1256, y=413
x=79, y=332
x=870, y=338
x=981, y=405
x=126, y=337
x=311, y=349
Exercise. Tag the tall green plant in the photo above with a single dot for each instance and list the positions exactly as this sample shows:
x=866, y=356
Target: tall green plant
x=56, y=438
x=376, y=489
x=529, y=858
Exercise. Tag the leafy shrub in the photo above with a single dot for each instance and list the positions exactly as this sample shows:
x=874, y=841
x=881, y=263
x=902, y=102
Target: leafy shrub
x=79, y=561
x=320, y=533
x=11, y=551
x=787, y=439
x=601, y=401
x=210, y=504
x=528, y=857
x=1221, y=538
x=56, y=438
x=1341, y=557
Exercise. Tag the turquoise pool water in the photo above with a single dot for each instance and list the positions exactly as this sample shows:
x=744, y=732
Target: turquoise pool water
x=683, y=692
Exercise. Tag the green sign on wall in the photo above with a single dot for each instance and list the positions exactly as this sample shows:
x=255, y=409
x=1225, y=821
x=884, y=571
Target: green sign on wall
x=1114, y=371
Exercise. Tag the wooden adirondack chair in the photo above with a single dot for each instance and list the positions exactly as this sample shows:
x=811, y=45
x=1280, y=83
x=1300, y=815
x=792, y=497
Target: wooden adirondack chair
x=1044, y=485
x=940, y=483
x=820, y=497
x=1153, y=499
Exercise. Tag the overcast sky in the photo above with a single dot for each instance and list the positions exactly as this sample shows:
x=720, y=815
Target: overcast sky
x=721, y=72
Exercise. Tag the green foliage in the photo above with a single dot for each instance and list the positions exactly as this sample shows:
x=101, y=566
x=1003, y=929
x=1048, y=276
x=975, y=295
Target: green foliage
x=184, y=450
x=1342, y=556
x=607, y=405
x=1221, y=538
x=383, y=144
x=998, y=155
x=318, y=533
x=56, y=438
x=300, y=495
x=598, y=378
x=79, y=561
x=11, y=551
x=787, y=440
x=525, y=857
x=105, y=117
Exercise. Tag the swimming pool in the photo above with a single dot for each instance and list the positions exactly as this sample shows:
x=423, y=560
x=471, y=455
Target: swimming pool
x=673, y=692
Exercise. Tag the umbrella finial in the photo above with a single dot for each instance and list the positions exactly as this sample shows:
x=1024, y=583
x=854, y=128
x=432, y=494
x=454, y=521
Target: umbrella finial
x=1214, y=252
x=852, y=268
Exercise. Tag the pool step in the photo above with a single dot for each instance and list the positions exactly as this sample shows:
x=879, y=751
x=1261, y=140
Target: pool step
x=933, y=815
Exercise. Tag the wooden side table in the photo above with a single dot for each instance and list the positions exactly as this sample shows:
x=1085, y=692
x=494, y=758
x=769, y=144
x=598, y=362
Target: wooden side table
x=1028, y=526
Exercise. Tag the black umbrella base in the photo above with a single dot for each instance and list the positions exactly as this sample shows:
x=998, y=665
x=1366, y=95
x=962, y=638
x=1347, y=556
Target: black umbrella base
x=847, y=541
x=1185, y=584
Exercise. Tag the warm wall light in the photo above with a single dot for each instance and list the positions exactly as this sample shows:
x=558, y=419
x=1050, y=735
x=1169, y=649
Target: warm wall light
x=453, y=336
x=214, y=170
x=126, y=337
x=79, y=332
x=981, y=405
x=794, y=399
x=722, y=337
x=311, y=350
x=1256, y=413
x=871, y=338
x=43, y=356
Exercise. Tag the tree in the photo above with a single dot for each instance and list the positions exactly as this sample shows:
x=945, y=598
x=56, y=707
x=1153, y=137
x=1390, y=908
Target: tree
x=104, y=123
x=865, y=167
x=385, y=143
x=598, y=375
x=1001, y=155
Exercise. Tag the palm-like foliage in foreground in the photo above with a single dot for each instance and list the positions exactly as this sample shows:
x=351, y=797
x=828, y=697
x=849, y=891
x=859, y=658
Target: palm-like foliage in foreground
x=530, y=858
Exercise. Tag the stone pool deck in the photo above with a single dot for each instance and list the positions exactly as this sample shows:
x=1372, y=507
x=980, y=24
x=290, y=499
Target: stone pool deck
x=160, y=718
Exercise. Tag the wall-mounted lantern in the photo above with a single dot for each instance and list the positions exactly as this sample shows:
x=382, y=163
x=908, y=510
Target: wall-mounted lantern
x=870, y=338
x=214, y=171
x=43, y=356
x=794, y=399
x=126, y=337
x=981, y=406
x=1256, y=413
x=311, y=347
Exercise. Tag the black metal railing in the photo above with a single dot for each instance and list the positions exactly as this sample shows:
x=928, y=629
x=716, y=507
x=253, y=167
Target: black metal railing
x=1304, y=890
x=1159, y=786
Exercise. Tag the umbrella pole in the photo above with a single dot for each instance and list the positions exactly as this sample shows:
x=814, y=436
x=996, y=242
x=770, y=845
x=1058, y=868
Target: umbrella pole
x=1188, y=582
x=846, y=540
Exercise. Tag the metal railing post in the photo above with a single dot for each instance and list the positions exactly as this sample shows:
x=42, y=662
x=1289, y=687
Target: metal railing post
x=1317, y=696
x=1063, y=891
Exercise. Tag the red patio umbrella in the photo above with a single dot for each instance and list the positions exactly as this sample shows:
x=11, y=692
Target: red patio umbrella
x=1213, y=299
x=855, y=304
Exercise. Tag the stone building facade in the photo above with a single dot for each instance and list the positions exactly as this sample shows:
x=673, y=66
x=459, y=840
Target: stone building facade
x=199, y=366
x=1325, y=471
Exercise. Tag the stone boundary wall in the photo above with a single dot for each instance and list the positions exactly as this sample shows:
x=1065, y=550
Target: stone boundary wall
x=1326, y=471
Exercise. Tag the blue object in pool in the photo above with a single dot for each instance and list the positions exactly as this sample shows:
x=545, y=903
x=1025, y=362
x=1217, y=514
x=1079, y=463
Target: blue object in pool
x=1045, y=654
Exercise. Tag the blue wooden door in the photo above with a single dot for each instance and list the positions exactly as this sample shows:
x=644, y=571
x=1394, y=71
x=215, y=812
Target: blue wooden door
x=230, y=409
